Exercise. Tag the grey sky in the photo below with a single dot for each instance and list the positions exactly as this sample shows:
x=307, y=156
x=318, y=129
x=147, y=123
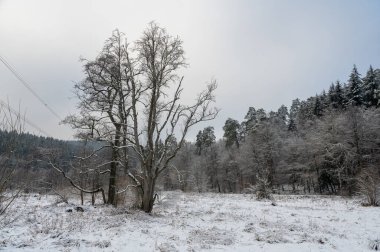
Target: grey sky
x=262, y=53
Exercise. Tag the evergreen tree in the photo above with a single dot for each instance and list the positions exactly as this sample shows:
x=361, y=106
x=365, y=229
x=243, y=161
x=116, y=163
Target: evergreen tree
x=370, y=86
x=293, y=113
x=204, y=139
x=208, y=136
x=318, y=109
x=231, y=132
x=250, y=119
x=377, y=91
x=198, y=143
x=332, y=96
x=355, y=83
x=261, y=115
x=324, y=100
x=283, y=114
x=340, y=99
x=306, y=111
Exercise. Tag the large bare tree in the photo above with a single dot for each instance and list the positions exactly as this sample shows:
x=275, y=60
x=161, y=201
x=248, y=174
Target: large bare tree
x=157, y=113
x=103, y=96
x=131, y=98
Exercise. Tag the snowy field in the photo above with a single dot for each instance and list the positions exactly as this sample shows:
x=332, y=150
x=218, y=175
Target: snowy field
x=195, y=222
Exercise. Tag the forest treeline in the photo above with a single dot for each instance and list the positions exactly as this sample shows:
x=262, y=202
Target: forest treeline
x=322, y=145
x=25, y=156
x=326, y=144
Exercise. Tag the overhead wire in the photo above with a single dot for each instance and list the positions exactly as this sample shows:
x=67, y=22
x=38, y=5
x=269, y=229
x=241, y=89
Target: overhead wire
x=28, y=86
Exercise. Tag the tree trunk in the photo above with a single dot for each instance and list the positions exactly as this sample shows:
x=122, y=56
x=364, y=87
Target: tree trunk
x=113, y=169
x=112, y=185
x=103, y=196
x=217, y=183
x=148, y=194
x=81, y=198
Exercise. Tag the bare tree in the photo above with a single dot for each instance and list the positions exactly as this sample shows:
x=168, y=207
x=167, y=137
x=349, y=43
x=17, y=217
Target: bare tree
x=159, y=57
x=130, y=98
x=103, y=96
x=83, y=172
x=12, y=122
x=369, y=185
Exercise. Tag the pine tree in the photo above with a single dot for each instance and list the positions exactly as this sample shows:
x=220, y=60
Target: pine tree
x=377, y=91
x=324, y=100
x=232, y=132
x=204, y=139
x=293, y=113
x=250, y=119
x=340, y=99
x=306, y=111
x=318, y=109
x=283, y=114
x=332, y=96
x=198, y=143
x=355, y=94
x=261, y=115
x=370, y=86
x=208, y=136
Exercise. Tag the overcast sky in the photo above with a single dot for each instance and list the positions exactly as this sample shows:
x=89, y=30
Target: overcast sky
x=262, y=53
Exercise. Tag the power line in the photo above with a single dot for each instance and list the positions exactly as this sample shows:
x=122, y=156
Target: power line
x=33, y=125
x=19, y=77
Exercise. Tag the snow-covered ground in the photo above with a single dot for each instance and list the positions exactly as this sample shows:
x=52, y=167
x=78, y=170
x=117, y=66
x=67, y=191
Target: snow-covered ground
x=195, y=222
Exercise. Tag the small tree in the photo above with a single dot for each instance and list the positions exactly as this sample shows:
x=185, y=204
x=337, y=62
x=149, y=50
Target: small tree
x=12, y=122
x=84, y=172
x=263, y=184
x=368, y=183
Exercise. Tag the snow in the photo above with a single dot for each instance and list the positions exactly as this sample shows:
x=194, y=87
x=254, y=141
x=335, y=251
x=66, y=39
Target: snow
x=194, y=222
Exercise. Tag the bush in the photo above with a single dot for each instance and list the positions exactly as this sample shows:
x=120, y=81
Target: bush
x=263, y=188
x=368, y=185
